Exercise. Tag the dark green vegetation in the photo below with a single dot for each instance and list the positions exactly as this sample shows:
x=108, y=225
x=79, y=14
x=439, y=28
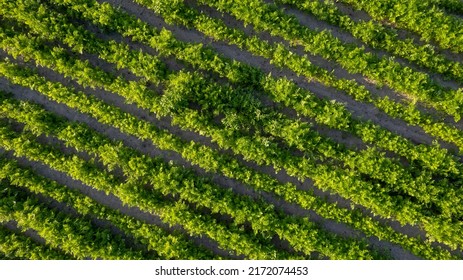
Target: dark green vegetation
x=231, y=129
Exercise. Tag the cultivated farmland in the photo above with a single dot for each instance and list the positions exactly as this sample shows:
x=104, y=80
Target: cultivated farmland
x=231, y=129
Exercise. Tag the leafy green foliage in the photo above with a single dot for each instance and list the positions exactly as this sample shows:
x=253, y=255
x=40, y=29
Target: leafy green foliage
x=419, y=16
x=166, y=246
x=74, y=235
x=238, y=122
x=18, y=246
x=382, y=37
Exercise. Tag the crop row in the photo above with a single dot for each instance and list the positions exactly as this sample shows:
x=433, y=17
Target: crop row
x=382, y=37
x=453, y=6
x=429, y=21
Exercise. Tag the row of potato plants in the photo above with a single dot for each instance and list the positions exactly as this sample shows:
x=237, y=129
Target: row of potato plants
x=76, y=236
x=171, y=211
x=352, y=58
x=383, y=37
x=47, y=90
x=295, y=133
x=166, y=245
x=136, y=167
x=429, y=21
x=334, y=115
x=15, y=245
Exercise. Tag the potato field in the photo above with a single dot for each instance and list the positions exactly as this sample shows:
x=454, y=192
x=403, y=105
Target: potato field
x=231, y=129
